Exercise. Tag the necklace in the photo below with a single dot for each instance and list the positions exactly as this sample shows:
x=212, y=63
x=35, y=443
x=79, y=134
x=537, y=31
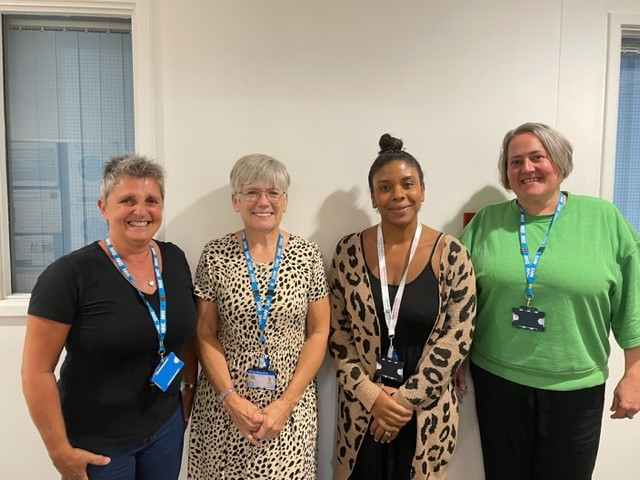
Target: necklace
x=151, y=283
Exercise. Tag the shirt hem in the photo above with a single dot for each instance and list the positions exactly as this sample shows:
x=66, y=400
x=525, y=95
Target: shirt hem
x=557, y=381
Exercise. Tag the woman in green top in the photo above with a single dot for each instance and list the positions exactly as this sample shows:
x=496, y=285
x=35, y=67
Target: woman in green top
x=556, y=272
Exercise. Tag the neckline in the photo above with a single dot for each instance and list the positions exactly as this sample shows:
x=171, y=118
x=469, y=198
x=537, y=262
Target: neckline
x=396, y=285
x=240, y=250
x=108, y=259
x=544, y=218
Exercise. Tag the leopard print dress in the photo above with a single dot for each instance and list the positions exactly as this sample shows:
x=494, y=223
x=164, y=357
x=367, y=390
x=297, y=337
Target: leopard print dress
x=217, y=450
x=354, y=343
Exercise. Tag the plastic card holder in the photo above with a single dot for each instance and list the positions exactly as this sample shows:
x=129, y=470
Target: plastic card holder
x=389, y=369
x=166, y=371
x=261, y=378
x=528, y=318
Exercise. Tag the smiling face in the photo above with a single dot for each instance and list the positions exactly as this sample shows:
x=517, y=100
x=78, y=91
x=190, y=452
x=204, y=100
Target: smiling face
x=258, y=206
x=133, y=211
x=397, y=192
x=531, y=173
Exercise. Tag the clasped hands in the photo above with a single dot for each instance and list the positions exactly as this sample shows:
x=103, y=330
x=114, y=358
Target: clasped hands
x=254, y=424
x=388, y=416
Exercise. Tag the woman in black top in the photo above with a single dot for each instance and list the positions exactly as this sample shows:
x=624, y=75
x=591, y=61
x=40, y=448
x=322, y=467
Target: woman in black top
x=378, y=460
x=403, y=303
x=123, y=309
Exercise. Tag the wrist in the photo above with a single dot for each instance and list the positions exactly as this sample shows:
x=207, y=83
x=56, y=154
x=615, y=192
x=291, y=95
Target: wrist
x=290, y=400
x=232, y=403
x=188, y=385
x=59, y=450
x=401, y=400
x=221, y=396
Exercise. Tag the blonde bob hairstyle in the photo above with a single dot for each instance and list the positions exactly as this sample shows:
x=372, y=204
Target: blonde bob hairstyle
x=557, y=147
x=257, y=168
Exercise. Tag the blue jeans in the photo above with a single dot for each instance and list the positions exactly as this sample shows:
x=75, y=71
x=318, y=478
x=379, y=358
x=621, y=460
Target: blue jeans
x=156, y=457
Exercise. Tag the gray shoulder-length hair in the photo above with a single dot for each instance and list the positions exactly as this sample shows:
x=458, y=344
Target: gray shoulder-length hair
x=132, y=165
x=258, y=167
x=558, y=149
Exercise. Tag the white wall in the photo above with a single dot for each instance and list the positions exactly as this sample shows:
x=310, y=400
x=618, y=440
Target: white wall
x=315, y=84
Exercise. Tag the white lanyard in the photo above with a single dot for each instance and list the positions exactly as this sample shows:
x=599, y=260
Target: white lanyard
x=391, y=314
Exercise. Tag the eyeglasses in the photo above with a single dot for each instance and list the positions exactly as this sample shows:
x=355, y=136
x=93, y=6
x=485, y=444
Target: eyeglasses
x=273, y=195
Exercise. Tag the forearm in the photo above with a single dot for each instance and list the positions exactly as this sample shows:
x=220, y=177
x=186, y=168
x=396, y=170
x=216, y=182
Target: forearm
x=442, y=360
x=190, y=358
x=632, y=362
x=626, y=396
x=43, y=401
x=309, y=361
x=444, y=356
x=214, y=363
x=312, y=351
x=351, y=374
x=350, y=371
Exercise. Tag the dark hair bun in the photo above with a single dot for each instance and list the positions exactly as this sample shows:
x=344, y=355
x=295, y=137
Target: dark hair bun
x=390, y=144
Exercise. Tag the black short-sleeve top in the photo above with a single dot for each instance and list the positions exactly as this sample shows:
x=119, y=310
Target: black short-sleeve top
x=112, y=347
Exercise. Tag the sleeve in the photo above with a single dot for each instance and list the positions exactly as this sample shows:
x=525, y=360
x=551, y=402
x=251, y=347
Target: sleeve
x=204, y=284
x=449, y=344
x=318, y=287
x=55, y=294
x=625, y=301
x=350, y=372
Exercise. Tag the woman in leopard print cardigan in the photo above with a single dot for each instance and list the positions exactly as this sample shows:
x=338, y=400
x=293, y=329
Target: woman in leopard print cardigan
x=356, y=339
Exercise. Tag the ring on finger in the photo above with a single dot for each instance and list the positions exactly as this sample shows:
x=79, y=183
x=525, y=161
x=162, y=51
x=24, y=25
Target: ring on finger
x=629, y=415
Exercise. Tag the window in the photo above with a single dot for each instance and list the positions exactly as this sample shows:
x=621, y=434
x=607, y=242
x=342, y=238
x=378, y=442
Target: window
x=620, y=179
x=627, y=166
x=68, y=108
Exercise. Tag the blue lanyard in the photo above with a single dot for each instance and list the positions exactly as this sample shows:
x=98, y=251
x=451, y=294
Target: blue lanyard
x=262, y=306
x=531, y=267
x=159, y=323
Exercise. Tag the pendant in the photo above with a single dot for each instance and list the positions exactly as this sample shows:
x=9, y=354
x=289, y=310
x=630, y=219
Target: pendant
x=151, y=283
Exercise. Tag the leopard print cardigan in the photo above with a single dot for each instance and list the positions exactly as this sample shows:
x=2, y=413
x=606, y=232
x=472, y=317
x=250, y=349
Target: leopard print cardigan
x=354, y=344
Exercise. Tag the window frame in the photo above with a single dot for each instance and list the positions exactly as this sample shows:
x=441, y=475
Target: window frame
x=13, y=307
x=618, y=22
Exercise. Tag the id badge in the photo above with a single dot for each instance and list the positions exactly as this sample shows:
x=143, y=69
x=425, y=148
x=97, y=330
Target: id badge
x=389, y=369
x=261, y=378
x=528, y=318
x=166, y=371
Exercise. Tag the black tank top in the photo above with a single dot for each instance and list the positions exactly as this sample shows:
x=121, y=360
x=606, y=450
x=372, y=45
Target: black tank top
x=416, y=318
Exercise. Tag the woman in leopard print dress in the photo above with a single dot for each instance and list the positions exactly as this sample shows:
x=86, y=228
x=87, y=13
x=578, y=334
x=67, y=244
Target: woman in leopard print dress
x=263, y=322
x=398, y=424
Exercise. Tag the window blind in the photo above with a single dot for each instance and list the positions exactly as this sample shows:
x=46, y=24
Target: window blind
x=68, y=108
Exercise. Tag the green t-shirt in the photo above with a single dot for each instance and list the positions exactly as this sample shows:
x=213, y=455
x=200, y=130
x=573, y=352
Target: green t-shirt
x=587, y=283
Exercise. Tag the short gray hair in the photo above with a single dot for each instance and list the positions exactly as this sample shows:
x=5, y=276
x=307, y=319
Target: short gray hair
x=556, y=146
x=259, y=168
x=131, y=165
